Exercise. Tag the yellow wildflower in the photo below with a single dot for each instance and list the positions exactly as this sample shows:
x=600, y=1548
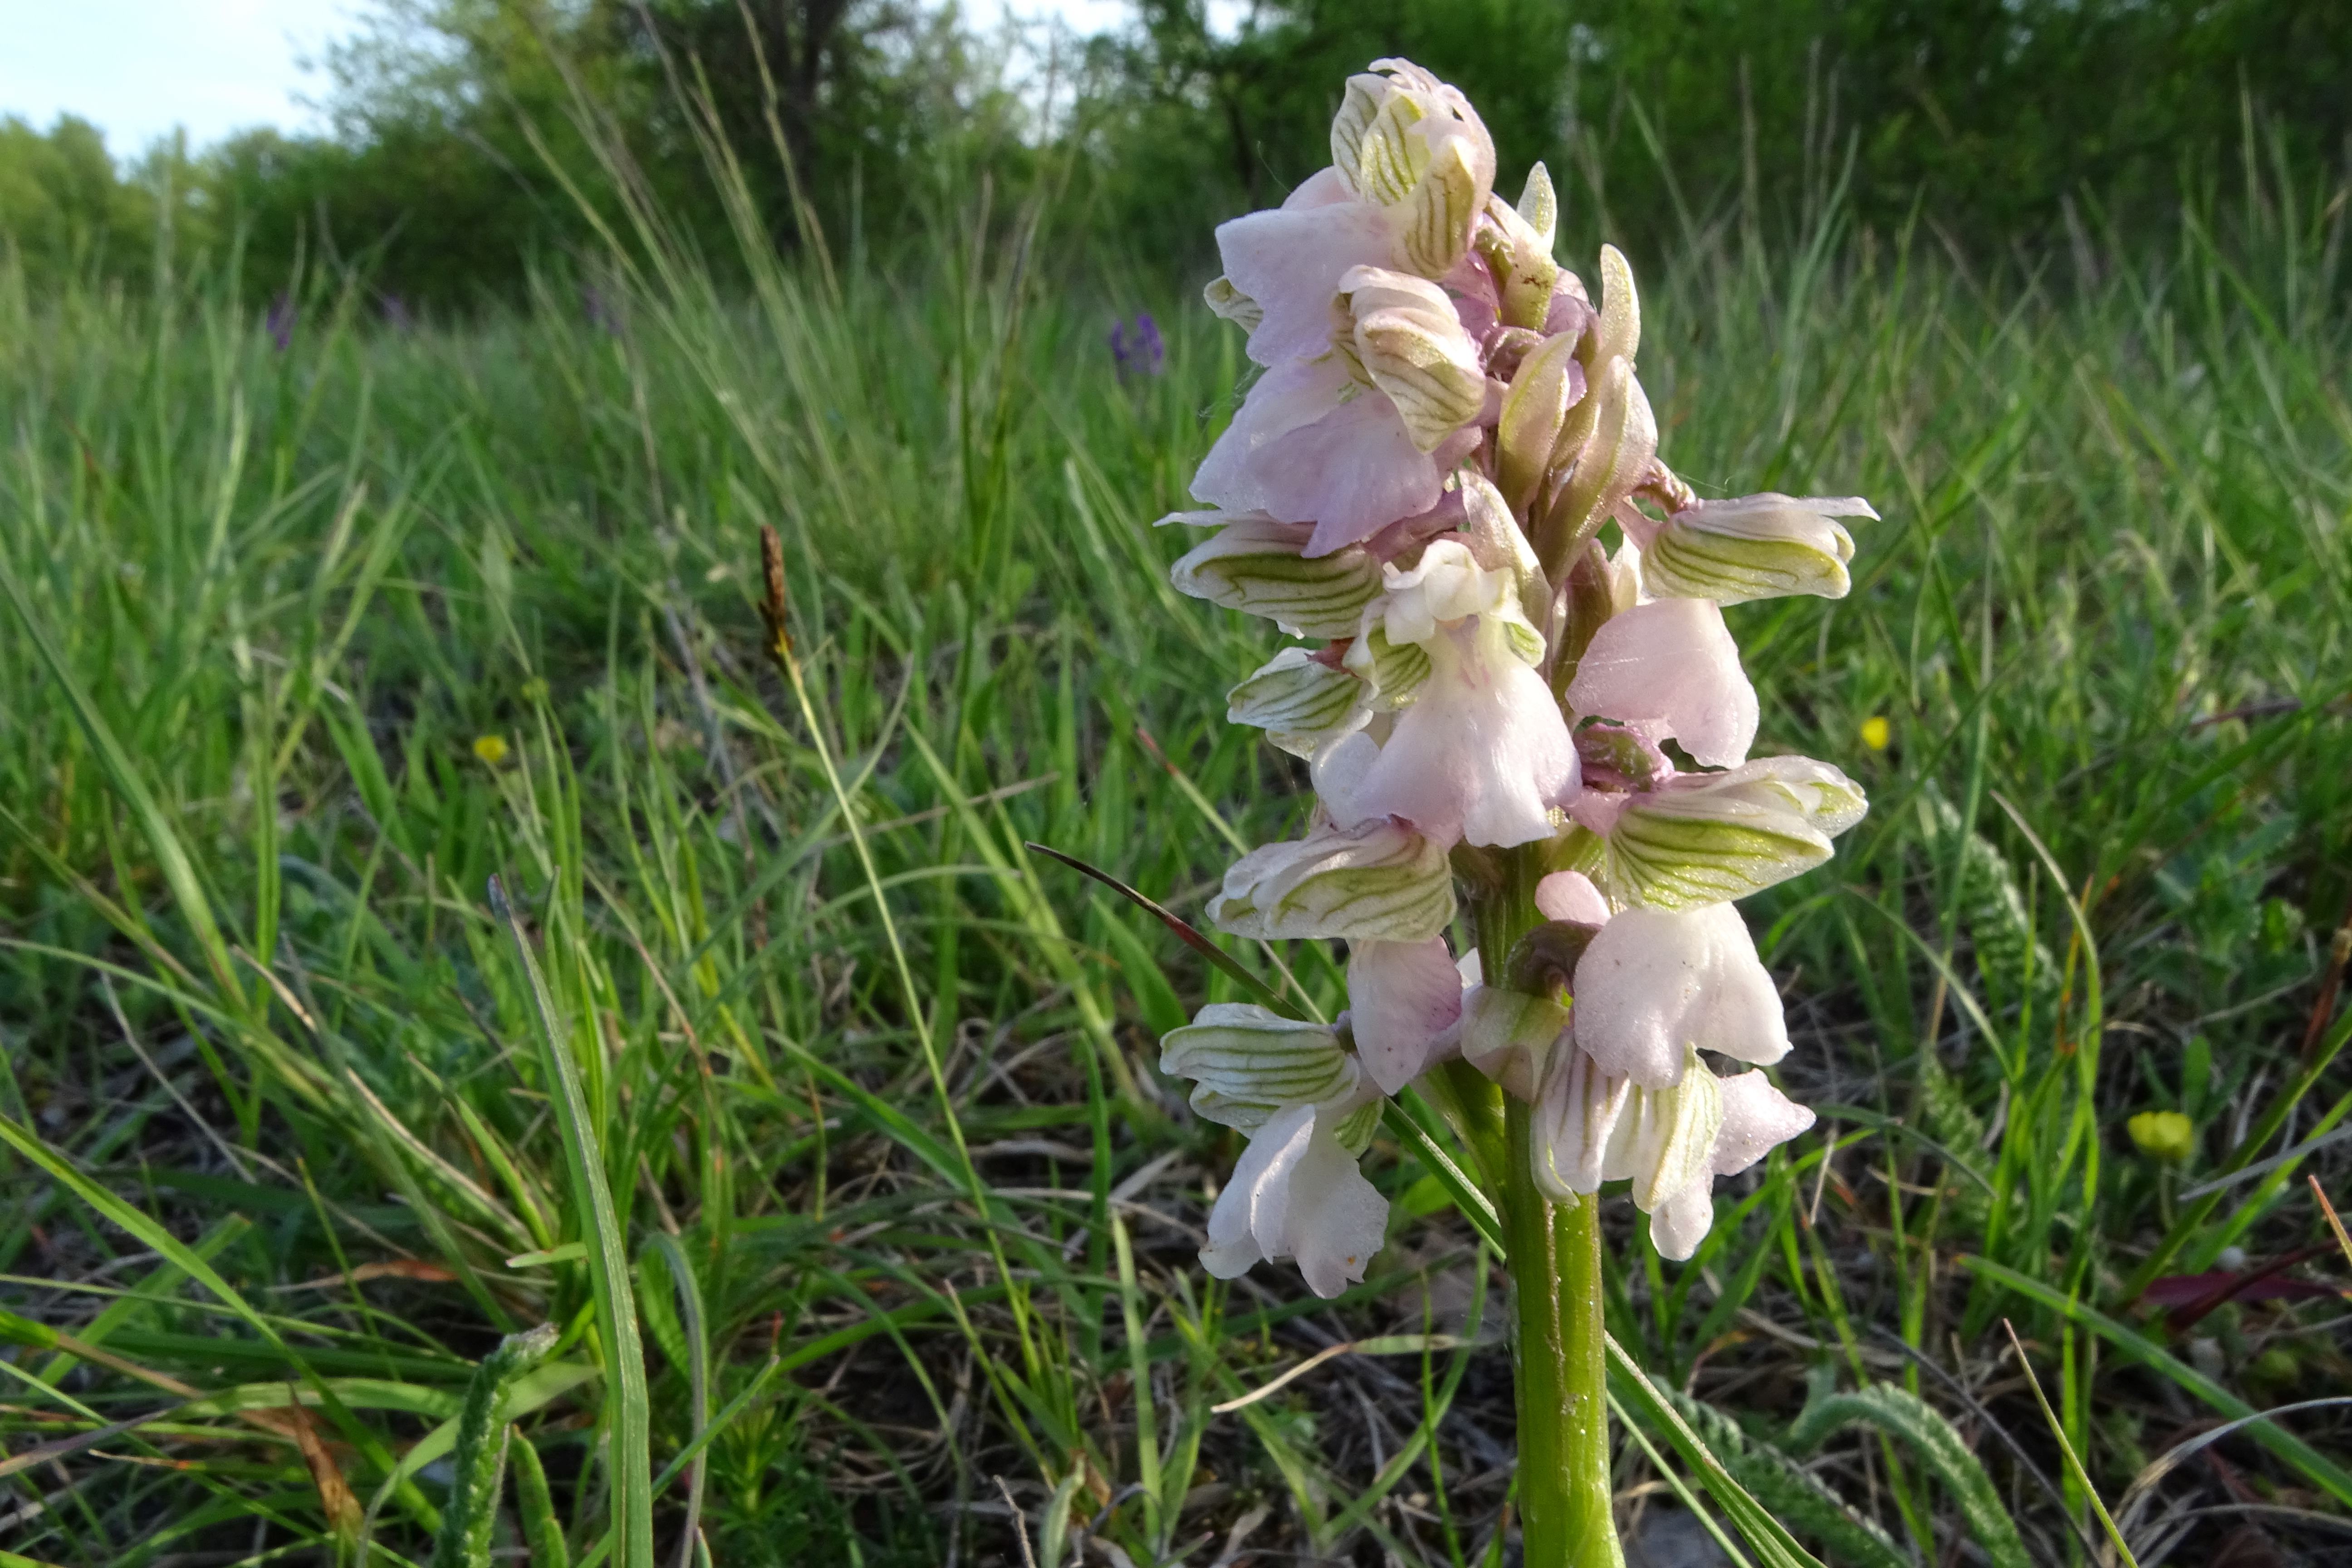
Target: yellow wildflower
x=2162, y=1134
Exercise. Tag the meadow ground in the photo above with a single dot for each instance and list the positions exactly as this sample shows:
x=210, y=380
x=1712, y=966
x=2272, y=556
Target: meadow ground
x=856, y=1111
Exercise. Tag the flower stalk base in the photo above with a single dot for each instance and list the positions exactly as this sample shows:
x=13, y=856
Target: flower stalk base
x=1560, y=1365
x=1559, y=1338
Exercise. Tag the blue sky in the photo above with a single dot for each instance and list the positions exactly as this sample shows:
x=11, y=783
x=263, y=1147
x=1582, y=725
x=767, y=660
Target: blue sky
x=139, y=68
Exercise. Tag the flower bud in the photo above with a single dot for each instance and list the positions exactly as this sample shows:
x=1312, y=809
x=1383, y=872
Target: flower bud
x=1405, y=141
x=1518, y=256
x=1300, y=701
x=1509, y=1036
x=1613, y=461
x=1619, y=335
x=1495, y=537
x=1247, y=1062
x=1711, y=839
x=1539, y=205
x=1260, y=566
x=1374, y=881
x=1759, y=547
x=1412, y=346
x=1548, y=383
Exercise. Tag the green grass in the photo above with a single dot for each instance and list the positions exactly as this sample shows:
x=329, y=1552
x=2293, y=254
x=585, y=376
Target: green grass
x=847, y=1098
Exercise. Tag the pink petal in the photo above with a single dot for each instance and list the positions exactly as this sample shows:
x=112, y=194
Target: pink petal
x=1654, y=982
x=1481, y=755
x=1756, y=1119
x=1402, y=997
x=1290, y=261
x=1298, y=452
x=1570, y=896
x=1671, y=667
x=1681, y=1222
x=1336, y=1219
x=1252, y=1212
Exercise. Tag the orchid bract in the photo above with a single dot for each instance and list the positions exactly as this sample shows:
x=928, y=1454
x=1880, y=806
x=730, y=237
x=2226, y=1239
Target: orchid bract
x=1529, y=733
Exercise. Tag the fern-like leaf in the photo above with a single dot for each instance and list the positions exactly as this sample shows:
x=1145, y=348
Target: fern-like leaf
x=1793, y=1494
x=1898, y=1413
x=478, y=1461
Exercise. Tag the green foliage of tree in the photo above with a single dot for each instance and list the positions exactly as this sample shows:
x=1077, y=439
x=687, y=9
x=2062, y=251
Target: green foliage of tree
x=471, y=138
x=1658, y=115
x=1994, y=112
x=1224, y=124
x=65, y=209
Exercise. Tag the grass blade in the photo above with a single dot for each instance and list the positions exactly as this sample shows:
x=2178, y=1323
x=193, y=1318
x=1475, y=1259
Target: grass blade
x=542, y=1531
x=2073, y=1461
x=1771, y=1540
x=1185, y=932
x=1473, y=1203
x=628, y=1405
x=179, y=872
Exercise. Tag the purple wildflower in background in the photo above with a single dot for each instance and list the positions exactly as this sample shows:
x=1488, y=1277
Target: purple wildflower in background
x=1138, y=351
x=280, y=323
x=599, y=310
x=397, y=313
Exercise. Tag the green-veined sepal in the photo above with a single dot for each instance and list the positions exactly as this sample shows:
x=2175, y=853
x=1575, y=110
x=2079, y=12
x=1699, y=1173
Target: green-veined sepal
x=1300, y=701
x=1408, y=342
x=1758, y=547
x=1232, y=304
x=1260, y=566
x=1377, y=881
x=1397, y=671
x=1715, y=837
x=1247, y=1062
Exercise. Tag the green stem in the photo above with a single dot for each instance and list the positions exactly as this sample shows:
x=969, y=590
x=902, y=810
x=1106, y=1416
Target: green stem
x=1559, y=1342
x=1560, y=1352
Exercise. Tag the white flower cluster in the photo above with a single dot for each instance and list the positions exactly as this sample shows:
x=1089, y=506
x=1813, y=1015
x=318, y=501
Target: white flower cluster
x=1413, y=485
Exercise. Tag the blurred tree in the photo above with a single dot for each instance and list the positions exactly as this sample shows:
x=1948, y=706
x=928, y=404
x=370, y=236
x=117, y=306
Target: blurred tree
x=1658, y=115
x=466, y=132
x=62, y=208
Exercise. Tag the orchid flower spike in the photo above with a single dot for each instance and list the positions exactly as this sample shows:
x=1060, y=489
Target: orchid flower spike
x=1423, y=486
